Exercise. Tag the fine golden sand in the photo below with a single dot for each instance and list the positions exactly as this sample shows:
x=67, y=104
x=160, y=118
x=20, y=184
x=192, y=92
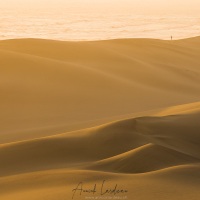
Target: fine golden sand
x=123, y=111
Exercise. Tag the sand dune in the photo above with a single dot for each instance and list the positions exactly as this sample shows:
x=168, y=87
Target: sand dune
x=151, y=143
x=150, y=150
x=67, y=150
x=144, y=159
x=123, y=111
x=64, y=86
x=50, y=167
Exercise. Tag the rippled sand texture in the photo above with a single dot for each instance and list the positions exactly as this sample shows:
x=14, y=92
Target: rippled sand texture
x=125, y=111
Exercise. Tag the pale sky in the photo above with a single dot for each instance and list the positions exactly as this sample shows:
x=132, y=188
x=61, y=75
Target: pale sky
x=136, y=6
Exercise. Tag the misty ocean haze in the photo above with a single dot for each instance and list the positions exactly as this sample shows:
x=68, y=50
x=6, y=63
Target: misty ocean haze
x=68, y=25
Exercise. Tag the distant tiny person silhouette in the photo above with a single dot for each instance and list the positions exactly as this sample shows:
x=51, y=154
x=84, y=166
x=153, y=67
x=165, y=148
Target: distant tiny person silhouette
x=171, y=37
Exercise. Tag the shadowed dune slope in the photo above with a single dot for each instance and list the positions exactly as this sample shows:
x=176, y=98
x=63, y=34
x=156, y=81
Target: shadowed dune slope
x=50, y=87
x=144, y=159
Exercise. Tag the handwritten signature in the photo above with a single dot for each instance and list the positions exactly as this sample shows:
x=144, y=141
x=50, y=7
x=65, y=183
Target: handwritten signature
x=104, y=190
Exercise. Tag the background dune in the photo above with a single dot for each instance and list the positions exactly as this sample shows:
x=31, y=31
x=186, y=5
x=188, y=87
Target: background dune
x=50, y=87
x=91, y=111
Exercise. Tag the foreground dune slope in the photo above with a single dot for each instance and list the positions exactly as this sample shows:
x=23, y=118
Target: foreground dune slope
x=175, y=183
x=156, y=154
x=50, y=87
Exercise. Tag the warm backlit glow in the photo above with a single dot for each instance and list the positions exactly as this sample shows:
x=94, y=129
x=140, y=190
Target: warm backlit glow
x=99, y=19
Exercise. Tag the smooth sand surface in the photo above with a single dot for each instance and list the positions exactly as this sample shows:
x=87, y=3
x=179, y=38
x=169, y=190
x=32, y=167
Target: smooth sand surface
x=124, y=111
